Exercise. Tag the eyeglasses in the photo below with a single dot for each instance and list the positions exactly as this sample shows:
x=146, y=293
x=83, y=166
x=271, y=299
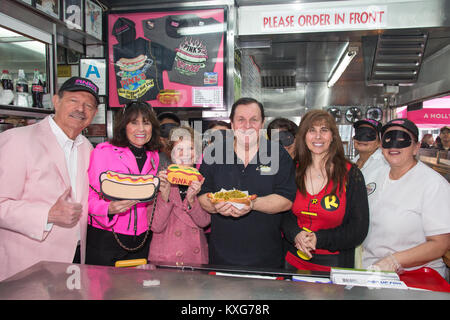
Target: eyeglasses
x=130, y=104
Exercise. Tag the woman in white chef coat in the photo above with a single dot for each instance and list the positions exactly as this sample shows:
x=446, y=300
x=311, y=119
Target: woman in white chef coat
x=409, y=216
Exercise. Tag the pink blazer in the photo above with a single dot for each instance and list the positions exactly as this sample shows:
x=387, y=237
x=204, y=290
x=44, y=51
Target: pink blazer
x=108, y=157
x=33, y=174
x=178, y=235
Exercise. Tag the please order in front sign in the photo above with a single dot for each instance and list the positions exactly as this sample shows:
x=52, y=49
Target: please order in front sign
x=316, y=20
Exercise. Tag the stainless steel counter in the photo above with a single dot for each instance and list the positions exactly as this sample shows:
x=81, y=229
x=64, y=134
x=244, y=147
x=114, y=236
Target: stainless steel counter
x=61, y=281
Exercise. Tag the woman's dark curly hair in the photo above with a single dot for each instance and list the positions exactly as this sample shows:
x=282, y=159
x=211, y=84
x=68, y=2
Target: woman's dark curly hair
x=130, y=113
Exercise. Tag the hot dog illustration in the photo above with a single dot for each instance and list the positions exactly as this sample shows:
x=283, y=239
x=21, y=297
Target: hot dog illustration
x=179, y=174
x=132, y=64
x=234, y=195
x=169, y=96
x=120, y=186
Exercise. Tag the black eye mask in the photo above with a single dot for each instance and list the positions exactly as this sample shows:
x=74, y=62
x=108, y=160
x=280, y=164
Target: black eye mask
x=365, y=134
x=286, y=138
x=165, y=129
x=396, y=139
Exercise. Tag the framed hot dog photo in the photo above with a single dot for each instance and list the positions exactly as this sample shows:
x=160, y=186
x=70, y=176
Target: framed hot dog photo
x=169, y=59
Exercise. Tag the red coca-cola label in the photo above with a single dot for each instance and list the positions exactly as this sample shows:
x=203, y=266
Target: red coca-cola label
x=37, y=88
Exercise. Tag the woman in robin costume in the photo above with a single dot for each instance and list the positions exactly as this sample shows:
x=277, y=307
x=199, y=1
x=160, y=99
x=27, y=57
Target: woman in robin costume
x=330, y=214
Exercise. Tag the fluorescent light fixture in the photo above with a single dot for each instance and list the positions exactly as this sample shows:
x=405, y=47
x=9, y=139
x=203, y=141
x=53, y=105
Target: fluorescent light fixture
x=344, y=61
x=5, y=33
x=35, y=46
x=262, y=44
x=13, y=38
x=212, y=28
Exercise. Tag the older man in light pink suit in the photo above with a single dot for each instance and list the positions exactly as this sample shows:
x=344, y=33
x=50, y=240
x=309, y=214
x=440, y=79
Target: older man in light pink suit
x=44, y=184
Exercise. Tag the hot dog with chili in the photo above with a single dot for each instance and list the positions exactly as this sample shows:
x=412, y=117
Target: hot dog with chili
x=234, y=195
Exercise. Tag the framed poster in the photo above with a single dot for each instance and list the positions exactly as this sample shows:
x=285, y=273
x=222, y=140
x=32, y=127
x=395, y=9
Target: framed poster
x=93, y=19
x=169, y=59
x=50, y=7
x=94, y=69
x=73, y=13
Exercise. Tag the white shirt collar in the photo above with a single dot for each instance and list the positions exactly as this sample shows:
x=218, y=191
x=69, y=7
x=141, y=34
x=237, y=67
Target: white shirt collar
x=61, y=137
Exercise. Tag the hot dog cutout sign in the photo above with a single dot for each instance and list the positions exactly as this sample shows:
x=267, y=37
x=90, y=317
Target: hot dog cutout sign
x=120, y=186
x=184, y=175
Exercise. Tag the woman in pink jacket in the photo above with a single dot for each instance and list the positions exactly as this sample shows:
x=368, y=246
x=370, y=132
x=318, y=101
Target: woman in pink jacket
x=118, y=230
x=178, y=223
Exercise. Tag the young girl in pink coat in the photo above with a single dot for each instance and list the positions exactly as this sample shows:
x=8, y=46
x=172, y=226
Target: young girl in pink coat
x=178, y=221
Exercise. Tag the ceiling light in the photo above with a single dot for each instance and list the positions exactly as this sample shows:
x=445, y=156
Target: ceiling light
x=8, y=33
x=212, y=28
x=262, y=44
x=344, y=61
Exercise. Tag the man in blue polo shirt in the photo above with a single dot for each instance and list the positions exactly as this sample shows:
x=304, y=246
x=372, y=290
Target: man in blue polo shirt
x=251, y=235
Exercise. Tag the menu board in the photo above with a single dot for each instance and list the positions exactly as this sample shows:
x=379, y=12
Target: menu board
x=168, y=59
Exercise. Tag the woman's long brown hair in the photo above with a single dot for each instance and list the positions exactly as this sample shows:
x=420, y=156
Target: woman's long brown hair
x=335, y=164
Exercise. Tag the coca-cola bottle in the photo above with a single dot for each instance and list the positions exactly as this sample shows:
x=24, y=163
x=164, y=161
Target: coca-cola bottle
x=6, y=80
x=22, y=94
x=7, y=84
x=37, y=90
x=22, y=83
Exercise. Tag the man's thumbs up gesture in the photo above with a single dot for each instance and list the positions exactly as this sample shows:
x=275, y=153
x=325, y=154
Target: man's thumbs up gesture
x=65, y=213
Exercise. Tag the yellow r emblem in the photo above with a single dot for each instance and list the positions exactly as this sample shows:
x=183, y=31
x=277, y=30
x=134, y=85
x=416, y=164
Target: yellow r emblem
x=330, y=202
